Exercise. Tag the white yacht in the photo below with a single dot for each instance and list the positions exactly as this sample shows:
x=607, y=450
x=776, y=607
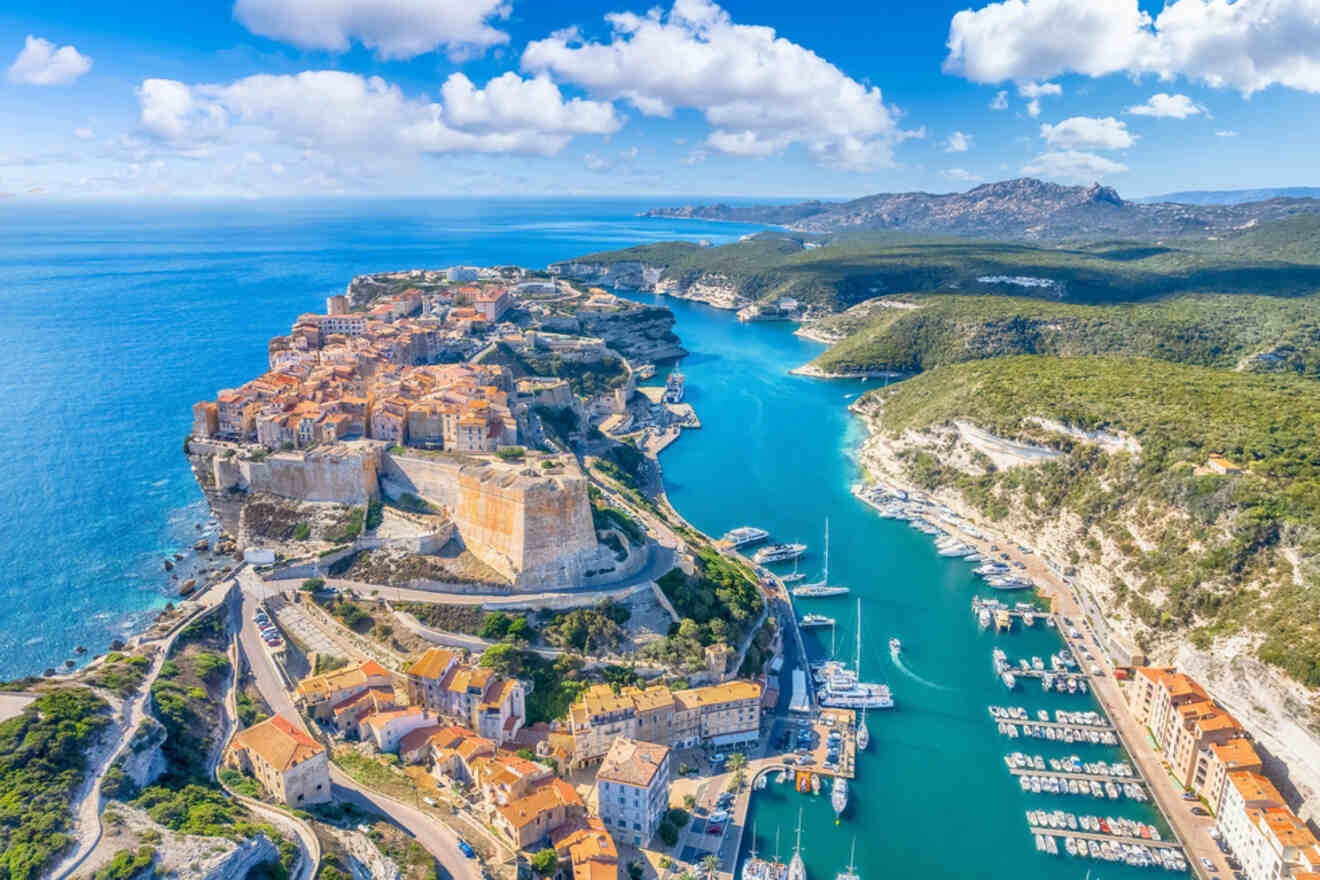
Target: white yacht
x=839, y=796
x=843, y=688
x=744, y=535
x=778, y=553
x=797, y=869
x=809, y=620
x=851, y=873
x=863, y=733
x=821, y=588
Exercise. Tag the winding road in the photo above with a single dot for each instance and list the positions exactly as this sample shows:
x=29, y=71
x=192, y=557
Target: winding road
x=439, y=841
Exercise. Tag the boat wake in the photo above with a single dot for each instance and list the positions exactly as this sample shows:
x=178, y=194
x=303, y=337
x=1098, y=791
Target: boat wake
x=898, y=661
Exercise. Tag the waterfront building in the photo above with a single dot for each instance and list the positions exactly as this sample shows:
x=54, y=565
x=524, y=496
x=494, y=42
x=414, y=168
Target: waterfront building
x=632, y=788
x=290, y=765
x=1268, y=839
x=319, y=695
x=462, y=273
x=1184, y=722
x=715, y=715
x=1235, y=756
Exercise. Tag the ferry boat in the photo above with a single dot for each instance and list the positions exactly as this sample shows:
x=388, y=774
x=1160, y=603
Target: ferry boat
x=744, y=535
x=674, y=387
x=821, y=588
x=863, y=734
x=839, y=796
x=810, y=620
x=851, y=873
x=778, y=553
x=797, y=869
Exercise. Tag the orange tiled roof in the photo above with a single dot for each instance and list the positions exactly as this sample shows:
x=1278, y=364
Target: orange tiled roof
x=1236, y=753
x=278, y=742
x=1255, y=788
x=525, y=810
x=433, y=663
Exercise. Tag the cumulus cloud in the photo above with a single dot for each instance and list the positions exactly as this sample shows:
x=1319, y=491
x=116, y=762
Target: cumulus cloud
x=1167, y=106
x=1072, y=166
x=1226, y=133
x=958, y=143
x=1035, y=91
x=39, y=63
x=1247, y=45
x=393, y=29
x=329, y=109
x=760, y=92
x=1000, y=101
x=1087, y=133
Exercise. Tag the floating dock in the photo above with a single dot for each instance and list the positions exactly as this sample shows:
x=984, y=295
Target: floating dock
x=1101, y=838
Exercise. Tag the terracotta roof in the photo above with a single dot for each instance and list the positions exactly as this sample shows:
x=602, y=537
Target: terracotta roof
x=469, y=677
x=553, y=794
x=378, y=720
x=589, y=847
x=278, y=742
x=1286, y=827
x=378, y=697
x=1255, y=788
x=632, y=762
x=433, y=663
x=474, y=745
x=1236, y=754
x=321, y=686
x=729, y=692
x=420, y=737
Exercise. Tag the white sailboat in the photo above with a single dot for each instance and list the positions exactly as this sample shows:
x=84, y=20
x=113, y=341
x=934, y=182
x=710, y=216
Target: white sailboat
x=822, y=587
x=797, y=869
x=851, y=873
x=843, y=687
x=863, y=733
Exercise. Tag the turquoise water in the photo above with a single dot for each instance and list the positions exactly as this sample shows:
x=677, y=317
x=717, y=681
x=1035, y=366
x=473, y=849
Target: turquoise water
x=117, y=318
x=933, y=797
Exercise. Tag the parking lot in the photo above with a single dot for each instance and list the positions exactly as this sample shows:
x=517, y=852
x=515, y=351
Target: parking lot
x=294, y=621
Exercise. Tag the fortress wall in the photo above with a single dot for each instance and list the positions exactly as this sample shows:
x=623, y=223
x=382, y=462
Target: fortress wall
x=434, y=480
x=342, y=474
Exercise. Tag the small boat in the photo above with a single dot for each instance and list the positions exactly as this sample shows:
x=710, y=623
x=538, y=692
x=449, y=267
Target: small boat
x=797, y=869
x=1009, y=680
x=895, y=647
x=782, y=777
x=810, y=620
x=983, y=618
x=863, y=733
x=839, y=796
x=815, y=783
x=761, y=782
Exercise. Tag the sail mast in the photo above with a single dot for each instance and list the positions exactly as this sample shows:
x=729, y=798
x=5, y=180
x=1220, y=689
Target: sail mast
x=825, y=579
x=859, y=638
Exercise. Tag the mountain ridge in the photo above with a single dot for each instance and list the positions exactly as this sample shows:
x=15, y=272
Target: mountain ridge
x=1021, y=208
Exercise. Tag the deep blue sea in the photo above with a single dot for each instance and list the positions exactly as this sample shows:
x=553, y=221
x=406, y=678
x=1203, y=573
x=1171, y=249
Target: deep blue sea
x=118, y=317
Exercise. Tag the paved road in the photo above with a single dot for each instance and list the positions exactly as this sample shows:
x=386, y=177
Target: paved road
x=439, y=841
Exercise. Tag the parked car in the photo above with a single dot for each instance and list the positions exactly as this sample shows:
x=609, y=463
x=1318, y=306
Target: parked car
x=1200, y=811
x=430, y=802
x=1209, y=865
x=714, y=829
x=466, y=849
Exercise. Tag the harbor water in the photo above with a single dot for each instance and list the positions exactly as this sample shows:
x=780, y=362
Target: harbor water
x=932, y=797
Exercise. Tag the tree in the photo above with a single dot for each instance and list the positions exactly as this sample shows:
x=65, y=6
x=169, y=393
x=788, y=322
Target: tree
x=668, y=833
x=545, y=862
x=311, y=585
x=737, y=762
x=690, y=801
x=711, y=865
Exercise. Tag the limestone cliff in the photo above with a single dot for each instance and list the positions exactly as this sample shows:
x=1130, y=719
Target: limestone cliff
x=641, y=334
x=712, y=288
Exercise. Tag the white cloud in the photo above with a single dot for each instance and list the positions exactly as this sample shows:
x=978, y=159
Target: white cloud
x=1226, y=133
x=760, y=92
x=1072, y=166
x=958, y=142
x=336, y=111
x=39, y=63
x=962, y=174
x=84, y=134
x=1167, y=106
x=391, y=28
x=696, y=157
x=1000, y=101
x=1085, y=132
x=1247, y=45
x=1036, y=91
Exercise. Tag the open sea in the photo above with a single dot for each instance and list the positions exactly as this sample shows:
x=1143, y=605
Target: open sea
x=118, y=318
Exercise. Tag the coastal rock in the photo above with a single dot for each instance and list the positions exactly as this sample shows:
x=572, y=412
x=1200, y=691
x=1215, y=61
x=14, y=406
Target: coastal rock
x=187, y=587
x=202, y=545
x=193, y=857
x=369, y=863
x=169, y=565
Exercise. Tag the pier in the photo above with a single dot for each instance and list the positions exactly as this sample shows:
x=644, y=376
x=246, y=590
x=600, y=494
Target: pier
x=1101, y=838
x=1065, y=775
x=1057, y=725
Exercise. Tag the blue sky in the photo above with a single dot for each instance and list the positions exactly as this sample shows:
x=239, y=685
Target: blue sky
x=512, y=97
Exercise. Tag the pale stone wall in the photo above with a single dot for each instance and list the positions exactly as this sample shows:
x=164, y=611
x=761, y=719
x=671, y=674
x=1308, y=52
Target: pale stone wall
x=343, y=472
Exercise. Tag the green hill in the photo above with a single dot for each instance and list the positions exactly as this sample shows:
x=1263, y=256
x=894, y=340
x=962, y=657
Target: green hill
x=912, y=333
x=1199, y=553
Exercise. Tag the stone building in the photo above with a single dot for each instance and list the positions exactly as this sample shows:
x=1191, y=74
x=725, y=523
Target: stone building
x=320, y=694
x=290, y=765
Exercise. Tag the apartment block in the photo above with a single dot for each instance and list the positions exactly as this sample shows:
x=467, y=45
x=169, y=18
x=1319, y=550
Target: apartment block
x=494, y=706
x=632, y=789
x=319, y=695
